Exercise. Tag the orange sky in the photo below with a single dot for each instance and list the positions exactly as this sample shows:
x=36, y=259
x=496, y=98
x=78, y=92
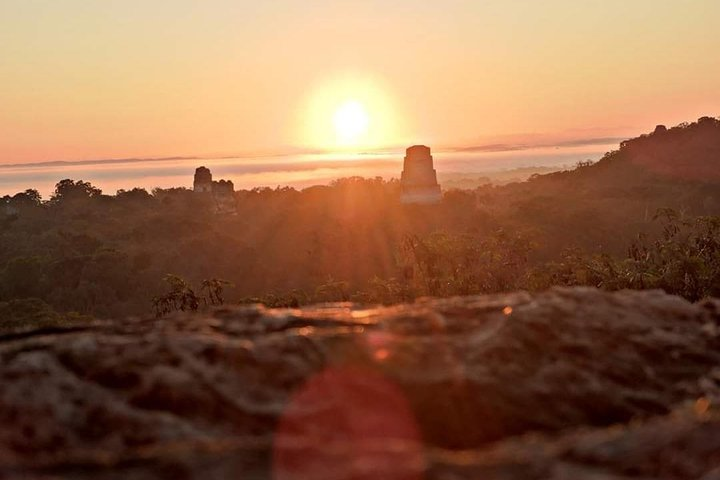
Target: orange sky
x=86, y=79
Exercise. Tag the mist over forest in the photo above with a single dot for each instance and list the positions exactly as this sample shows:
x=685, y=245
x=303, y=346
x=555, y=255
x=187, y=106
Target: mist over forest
x=644, y=216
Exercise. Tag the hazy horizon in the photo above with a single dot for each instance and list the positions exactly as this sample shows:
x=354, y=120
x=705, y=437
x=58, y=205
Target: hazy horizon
x=88, y=80
x=298, y=171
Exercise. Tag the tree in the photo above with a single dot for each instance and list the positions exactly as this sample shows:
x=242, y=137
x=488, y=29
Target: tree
x=445, y=264
x=332, y=291
x=213, y=290
x=68, y=190
x=182, y=296
x=683, y=260
x=34, y=313
x=23, y=277
x=28, y=198
x=139, y=195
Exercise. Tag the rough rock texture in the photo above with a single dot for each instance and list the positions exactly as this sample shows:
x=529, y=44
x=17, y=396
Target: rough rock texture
x=568, y=384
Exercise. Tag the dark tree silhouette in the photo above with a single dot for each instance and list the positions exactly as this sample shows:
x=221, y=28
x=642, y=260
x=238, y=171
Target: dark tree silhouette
x=182, y=296
x=67, y=190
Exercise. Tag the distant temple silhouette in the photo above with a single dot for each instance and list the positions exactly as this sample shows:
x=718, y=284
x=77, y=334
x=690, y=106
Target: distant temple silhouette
x=203, y=180
x=419, y=179
x=222, y=192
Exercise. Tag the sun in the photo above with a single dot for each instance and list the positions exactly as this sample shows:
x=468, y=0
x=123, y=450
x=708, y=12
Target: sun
x=351, y=122
x=348, y=113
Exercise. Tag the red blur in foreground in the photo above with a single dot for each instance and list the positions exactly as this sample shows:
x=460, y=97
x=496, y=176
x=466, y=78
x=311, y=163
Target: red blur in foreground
x=348, y=423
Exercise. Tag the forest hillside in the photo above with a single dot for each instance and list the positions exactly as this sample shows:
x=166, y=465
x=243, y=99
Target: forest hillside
x=644, y=216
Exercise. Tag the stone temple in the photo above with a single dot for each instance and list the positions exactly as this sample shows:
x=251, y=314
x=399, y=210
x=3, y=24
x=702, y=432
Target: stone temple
x=419, y=180
x=222, y=192
x=203, y=182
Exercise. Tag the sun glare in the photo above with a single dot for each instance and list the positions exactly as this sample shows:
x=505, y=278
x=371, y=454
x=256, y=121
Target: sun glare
x=351, y=122
x=348, y=113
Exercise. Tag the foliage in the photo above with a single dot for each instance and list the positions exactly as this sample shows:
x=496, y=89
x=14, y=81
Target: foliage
x=30, y=313
x=445, y=265
x=107, y=255
x=293, y=299
x=182, y=297
x=28, y=198
x=386, y=292
x=69, y=190
x=332, y=291
x=684, y=260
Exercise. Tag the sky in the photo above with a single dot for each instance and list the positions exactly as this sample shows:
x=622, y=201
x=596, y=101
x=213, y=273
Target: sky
x=84, y=79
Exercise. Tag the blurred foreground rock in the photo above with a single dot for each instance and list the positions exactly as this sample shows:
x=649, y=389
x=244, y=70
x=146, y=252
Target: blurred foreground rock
x=568, y=384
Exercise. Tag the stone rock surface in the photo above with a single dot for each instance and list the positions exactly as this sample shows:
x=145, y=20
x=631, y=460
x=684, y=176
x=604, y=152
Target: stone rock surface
x=567, y=384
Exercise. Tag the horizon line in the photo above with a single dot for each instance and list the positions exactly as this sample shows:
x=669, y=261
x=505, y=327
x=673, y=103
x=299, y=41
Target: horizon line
x=481, y=148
